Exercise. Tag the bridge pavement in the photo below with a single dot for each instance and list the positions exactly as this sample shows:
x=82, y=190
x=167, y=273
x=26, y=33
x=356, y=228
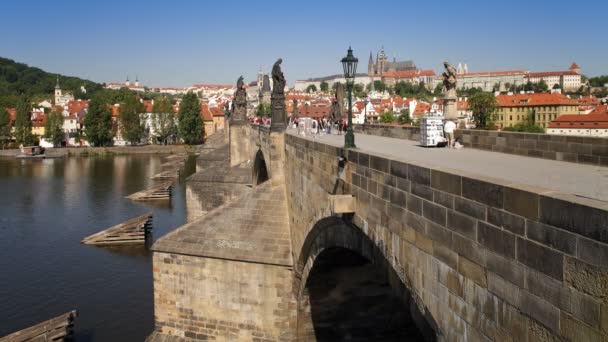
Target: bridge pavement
x=576, y=179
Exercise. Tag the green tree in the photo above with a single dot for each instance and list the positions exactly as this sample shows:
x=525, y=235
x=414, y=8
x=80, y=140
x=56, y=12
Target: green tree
x=311, y=88
x=404, y=118
x=5, y=126
x=53, y=128
x=599, y=81
x=163, y=120
x=483, y=105
x=379, y=86
x=23, y=122
x=191, y=128
x=324, y=87
x=387, y=117
x=98, y=122
x=438, y=89
x=132, y=128
x=263, y=110
x=359, y=90
x=542, y=86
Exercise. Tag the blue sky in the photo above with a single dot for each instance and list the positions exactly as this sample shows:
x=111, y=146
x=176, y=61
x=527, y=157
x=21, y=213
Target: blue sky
x=179, y=43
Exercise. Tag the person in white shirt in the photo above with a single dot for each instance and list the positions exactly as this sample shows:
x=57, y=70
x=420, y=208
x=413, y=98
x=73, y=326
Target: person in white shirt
x=448, y=128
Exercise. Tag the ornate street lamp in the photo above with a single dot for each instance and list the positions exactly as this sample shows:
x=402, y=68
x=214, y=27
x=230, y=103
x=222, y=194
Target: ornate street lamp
x=349, y=63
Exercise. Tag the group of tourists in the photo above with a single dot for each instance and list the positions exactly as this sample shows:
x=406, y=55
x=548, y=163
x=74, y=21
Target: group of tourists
x=312, y=127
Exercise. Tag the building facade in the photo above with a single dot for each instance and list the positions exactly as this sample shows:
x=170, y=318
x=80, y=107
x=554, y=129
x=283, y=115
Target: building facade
x=542, y=108
x=382, y=65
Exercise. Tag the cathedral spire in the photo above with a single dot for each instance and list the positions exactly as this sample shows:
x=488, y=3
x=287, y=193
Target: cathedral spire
x=57, y=84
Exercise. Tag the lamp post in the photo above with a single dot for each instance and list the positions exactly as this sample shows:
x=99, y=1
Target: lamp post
x=349, y=63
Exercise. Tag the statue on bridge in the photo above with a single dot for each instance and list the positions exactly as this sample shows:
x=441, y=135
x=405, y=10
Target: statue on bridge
x=277, y=98
x=239, y=104
x=449, y=77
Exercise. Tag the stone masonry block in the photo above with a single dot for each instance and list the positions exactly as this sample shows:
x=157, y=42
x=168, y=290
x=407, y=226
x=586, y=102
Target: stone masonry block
x=551, y=236
x=548, y=288
x=592, y=252
x=447, y=182
x=587, y=278
x=398, y=169
x=568, y=213
x=483, y=192
x=505, y=290
x=585, y=308
x=414, y=204
x=522, y=203
x=508, y=269
x=445, y=254
x=540, y=258
x=468, y=248
x=470, y=208
x=513, y=223
x=443, y=198
x=434, y=212
x=439, y=234
x=496, y=239
x=574, y=330
x=472, y=271
x=540, y=310
x=462, y=224
x=423, y=191
x=379, y=163
x=419, y=174
x=415, y=222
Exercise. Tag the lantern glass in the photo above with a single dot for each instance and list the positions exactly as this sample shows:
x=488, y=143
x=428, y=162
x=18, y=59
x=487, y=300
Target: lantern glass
x=349, y=64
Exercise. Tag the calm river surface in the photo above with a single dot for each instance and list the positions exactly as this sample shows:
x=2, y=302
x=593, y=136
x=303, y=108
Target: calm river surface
x=46, y=208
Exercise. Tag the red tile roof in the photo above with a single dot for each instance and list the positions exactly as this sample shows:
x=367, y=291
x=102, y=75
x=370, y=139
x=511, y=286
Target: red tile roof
x=574, y=66
x=206, y=113
x=536, y=99
x=39, y=120
x=593, y=120
x=75, y=106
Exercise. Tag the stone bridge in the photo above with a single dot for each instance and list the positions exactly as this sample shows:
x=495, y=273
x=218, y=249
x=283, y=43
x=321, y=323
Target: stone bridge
x=287, y=242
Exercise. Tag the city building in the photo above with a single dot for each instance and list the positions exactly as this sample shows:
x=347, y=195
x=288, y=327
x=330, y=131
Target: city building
x=544, y=108
x=567, y=80
x=382, y=65
x=488, y=80
x=415, y=76
x=61, y=98
x=594, y=124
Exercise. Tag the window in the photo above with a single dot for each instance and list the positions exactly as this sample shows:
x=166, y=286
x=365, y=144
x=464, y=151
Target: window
x=510, y=117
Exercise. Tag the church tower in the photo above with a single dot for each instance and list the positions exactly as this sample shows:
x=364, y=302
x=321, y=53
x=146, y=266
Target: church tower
x=370, y=65
x=58, y=93
x=382, y=62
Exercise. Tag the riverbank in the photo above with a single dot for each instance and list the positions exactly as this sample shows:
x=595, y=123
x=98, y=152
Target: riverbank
x=118, y=150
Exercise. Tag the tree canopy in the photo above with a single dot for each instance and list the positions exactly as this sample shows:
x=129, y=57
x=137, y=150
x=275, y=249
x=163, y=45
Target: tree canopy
x=311, y=88
x=98, y=122
x=131, y=127
x=5, y=126
x=191, y=128
x=163, y=120
x=23, y=122
x=53, y=128
x=263, y=110
x=18, y=78
x=483, y=105
x=324, y=87
x=387, y=117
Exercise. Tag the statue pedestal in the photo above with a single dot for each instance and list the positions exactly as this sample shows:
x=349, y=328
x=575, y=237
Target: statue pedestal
x=450, y=111
x=278, y=115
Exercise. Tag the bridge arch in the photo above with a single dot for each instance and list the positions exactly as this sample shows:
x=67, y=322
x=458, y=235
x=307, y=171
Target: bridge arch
x=348, y=290
x=259, y=169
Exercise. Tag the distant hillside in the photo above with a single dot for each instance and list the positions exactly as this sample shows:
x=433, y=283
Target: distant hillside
x=17, y=78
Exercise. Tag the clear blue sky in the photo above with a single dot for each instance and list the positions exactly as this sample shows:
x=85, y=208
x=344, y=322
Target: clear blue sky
x=178, y=43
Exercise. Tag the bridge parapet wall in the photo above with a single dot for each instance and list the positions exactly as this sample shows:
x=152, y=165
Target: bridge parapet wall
x=481, y=256
x=585, y=150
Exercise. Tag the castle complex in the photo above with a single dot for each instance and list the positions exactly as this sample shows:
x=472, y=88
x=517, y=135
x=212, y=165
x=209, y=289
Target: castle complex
x=382, y=65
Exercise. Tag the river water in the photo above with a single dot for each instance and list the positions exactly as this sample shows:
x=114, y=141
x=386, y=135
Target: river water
x=46, y=208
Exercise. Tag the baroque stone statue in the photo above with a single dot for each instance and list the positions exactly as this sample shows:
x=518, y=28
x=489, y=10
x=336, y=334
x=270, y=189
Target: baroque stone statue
x=239, y=104
x=449, y=77
x=278, y=79
x=277, y=98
